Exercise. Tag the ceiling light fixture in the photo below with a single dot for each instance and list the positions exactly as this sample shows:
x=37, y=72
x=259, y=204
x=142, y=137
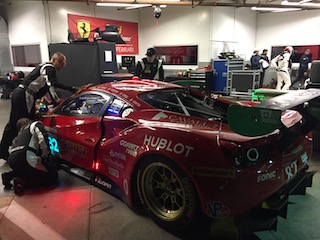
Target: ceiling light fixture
x=125, y=5
x=274, y=9
x=303, y=3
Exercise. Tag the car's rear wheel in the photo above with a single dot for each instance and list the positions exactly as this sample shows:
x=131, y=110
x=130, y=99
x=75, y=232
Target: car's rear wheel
x=167, y=193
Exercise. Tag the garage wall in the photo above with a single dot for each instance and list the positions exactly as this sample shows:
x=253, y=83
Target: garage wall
x=34, y=22
x=177, y=26
x=47, y=23
x=291, y=28
x=5, y=63
x=234, y=29
x=26, y=25
x=208, y=27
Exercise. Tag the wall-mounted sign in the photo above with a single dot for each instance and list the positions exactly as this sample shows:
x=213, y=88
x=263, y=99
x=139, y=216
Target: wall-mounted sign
x=178, y=55
x=82, y=26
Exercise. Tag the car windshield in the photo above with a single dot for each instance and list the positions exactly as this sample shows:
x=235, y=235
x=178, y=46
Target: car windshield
x=184, y=102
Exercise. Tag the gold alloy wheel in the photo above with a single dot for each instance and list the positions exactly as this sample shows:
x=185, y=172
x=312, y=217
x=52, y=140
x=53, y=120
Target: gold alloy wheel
x=163, y=191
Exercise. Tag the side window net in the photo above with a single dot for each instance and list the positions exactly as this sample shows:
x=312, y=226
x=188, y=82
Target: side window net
x=86, y=104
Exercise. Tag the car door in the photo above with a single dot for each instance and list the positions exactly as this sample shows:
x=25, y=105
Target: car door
x=111, y=155
x=78, y=128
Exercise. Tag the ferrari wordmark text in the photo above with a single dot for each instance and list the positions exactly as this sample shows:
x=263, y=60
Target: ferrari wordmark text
x=162, y=143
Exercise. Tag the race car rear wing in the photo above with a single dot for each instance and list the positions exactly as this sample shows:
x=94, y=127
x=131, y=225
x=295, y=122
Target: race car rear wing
x=265, y=117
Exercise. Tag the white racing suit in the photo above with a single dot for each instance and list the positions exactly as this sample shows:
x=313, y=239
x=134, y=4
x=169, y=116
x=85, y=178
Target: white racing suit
x=281, y=64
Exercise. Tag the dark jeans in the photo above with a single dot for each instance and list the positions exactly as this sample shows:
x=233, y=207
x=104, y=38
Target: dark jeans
x=32, y=176
x=18, y=110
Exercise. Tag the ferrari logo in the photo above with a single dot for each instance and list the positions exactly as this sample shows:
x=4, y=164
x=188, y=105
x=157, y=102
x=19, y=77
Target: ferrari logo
x=83, y=28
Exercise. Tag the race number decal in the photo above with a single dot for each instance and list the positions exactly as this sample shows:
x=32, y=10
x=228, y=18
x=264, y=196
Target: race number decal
x=291, y=170
x=53, y=145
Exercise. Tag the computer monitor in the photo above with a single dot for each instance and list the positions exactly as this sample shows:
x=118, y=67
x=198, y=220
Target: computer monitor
x=128, y=61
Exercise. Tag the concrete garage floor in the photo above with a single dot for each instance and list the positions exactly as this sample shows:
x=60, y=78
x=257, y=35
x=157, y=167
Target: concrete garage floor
x=75, y=210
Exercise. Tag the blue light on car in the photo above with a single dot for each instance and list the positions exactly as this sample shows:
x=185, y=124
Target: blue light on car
x=111, y=110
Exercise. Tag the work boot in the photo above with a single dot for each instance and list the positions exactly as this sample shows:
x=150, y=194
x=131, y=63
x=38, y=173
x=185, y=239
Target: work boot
x=6, y=180
x=18, y=186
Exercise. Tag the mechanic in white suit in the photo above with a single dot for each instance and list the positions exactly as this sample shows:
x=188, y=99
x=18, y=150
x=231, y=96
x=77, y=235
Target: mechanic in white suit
x=281, y=64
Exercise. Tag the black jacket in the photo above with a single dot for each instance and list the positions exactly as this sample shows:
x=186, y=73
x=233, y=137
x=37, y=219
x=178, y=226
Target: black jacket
x=50, y=71
x=149, y=70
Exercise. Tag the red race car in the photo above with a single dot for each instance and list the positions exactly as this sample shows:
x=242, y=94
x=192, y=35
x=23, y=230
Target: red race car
x=180, y=154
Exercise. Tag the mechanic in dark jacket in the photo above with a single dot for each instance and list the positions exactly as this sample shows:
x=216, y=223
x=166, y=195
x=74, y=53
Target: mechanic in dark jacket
x=25, y=95
x=150, y=67
x=256, y=61
x=28, y=157
x=303, y=67
x=264, y=64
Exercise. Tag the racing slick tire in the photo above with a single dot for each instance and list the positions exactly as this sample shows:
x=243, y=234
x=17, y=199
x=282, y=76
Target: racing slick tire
x=167, y=194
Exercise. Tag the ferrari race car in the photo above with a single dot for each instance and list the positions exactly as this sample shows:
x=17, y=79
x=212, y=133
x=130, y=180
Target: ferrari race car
x=180, y=155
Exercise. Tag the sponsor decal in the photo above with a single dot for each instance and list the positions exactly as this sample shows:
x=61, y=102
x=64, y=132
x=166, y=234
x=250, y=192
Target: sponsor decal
x=182, y=120
x=159, y=116
x=267, y=116
x=102, y=182
x=53, y=145
x=131, y=148
x=114, y=154
x=77, y=148
x=291, y=170
x=112, y=162
x=217, y=210
x=162, y=143
x=304, y=157
x=267, y=176
x=113, y=172
x=125, y=186
x=214, y=172
x=127, y=39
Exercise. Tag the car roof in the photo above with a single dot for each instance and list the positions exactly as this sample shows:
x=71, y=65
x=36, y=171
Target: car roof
x=135, y=86
x=129, y=90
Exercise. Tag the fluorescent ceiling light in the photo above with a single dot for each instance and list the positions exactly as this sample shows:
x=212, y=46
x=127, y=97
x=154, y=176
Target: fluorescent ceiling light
x=302, y=3
x=134, y=6
x=128, y=5
x=274, y=9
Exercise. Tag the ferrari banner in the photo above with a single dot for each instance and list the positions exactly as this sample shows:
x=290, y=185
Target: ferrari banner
x=82, y=26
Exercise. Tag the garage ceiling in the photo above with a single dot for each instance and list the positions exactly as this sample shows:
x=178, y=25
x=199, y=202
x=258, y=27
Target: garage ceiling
x=283, y=4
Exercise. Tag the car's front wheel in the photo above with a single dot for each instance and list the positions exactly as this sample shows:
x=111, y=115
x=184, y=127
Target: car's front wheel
x=167, y=193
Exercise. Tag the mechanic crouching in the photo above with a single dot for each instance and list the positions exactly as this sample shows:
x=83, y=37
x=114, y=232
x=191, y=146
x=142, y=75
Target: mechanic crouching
x=28, y=159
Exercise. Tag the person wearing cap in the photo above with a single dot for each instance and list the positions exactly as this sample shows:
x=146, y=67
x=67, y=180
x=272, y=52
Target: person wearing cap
x=282, y=64
x=150, y=67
